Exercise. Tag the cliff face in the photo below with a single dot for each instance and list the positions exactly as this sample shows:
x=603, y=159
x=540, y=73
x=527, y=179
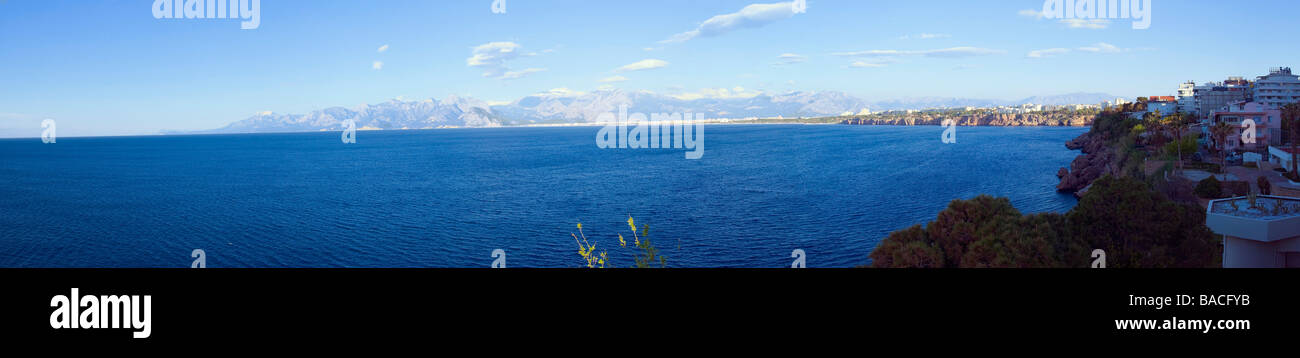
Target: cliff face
x=996, y=120
x=1094, y=163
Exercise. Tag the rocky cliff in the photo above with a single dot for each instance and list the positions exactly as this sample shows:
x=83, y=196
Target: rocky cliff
x=1095, y=162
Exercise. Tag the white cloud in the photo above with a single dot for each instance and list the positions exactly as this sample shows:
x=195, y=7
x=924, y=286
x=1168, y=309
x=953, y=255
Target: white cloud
x=789, y=59
x=1093, y=24
x=1102, y=47
x=647, y=64
x=1037, y=14
x=953, y=52
x=613, y=79
x=924, y=36
x=492, y=57
x=383, y=48
x=510, y=75
x=1051, y=52
x=754, y=15
x=864, y=64
x=378, y=65
x=718, y=93
x=562, y=92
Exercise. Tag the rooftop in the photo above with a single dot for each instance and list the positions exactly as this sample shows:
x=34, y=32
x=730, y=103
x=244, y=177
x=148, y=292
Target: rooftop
x=1272, y=218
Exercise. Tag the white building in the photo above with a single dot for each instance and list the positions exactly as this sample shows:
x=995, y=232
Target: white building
x=1187, y=97
x=1264, y=236
x=1278, y=89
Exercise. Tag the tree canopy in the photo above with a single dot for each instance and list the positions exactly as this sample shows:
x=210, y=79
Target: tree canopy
x=1136, y=226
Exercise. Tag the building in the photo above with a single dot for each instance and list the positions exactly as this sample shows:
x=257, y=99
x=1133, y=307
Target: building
x=1187, y=97
x=1281, y=156
x=1277, y=89
x=1268, y=124
x=1167, y=105
x=1266, y=235
x=1213, y=96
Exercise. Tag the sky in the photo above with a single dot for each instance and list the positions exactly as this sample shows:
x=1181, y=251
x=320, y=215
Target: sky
x=109, y=67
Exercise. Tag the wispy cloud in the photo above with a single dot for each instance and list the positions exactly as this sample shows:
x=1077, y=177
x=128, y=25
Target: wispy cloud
x=510, y=75
x=1092, y=24
x=1099, y=48
x=924, y=36
x=1102, y=47
x=952, y=52
x=492, y=57
x=754, y=15
x=789, y=59
x=378, y=65
x=1036, y=14
x=613, y=79
x=383, y=48
x=1051, y=52
x=647, y=64
x=865, y=64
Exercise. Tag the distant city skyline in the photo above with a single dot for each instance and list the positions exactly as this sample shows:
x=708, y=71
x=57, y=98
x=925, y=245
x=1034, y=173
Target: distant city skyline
x=111, y=68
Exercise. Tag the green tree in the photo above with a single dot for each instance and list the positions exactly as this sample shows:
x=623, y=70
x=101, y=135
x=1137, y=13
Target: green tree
x=1291, y=117
x=1136, y=226
x=908, y=248
x=959, y=224
x=1220, y=133
x=1178, y=123
x=1140, y=228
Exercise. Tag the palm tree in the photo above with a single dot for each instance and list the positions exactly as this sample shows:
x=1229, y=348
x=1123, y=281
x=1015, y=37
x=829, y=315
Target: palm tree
x=1220, y=132
x=1290, y=115
x=1180, y=122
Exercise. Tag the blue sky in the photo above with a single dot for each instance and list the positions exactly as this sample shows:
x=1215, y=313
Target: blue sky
x=108, y=67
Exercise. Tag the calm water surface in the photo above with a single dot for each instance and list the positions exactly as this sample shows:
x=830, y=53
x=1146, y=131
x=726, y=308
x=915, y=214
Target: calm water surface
x=447, y=198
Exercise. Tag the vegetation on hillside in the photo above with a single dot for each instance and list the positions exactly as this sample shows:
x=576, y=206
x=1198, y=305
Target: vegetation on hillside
x=1139, y=221
x=1136, y=226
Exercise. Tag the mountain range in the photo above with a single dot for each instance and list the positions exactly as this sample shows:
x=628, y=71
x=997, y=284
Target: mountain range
x=560, y=106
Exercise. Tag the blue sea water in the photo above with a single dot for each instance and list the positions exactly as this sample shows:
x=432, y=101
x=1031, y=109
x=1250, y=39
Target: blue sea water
x=448, y=198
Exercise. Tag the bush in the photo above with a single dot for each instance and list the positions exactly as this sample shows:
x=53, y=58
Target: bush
x=1137, y=227
x=1265, y=187
x=1187, y=145
x=1209, y=188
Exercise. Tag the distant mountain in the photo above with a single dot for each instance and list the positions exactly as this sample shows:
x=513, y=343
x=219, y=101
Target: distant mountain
x=569, y=107
x=452, y=111
x=561, y=106
x=944, y=102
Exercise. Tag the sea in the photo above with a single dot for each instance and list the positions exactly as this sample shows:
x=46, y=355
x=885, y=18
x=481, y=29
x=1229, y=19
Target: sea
x=449, y=198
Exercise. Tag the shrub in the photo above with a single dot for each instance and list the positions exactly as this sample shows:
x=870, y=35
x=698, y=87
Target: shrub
x=1139, y=228
x=1136, y=226
x=1209, y=188
x=1265, y=187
